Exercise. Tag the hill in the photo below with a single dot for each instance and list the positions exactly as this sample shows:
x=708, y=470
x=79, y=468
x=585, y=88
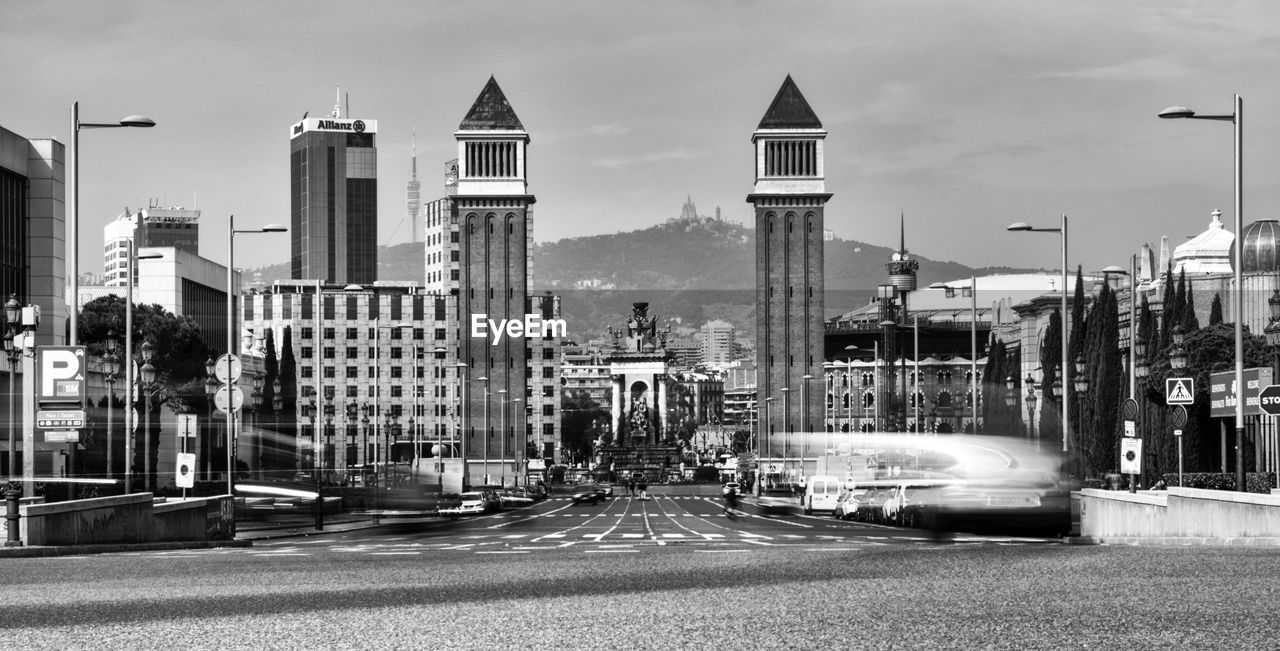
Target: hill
x=690, y=270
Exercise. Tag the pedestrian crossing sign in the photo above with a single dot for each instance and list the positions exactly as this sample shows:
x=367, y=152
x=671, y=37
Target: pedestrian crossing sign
x=1180, y=390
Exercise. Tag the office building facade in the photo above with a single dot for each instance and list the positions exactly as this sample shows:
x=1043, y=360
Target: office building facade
x=33, y=229
x=334, y=200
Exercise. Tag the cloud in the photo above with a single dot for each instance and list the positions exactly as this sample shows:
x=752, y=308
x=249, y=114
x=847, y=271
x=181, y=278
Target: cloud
x=1148, y=69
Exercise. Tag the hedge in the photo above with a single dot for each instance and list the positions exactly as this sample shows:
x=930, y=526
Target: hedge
x=1255, y=482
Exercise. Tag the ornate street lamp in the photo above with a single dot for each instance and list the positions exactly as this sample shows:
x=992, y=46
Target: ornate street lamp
x=148, y=386
x=111, y=371
x=12, y=324
x=1178, y=354
x=1010, y=392
x=1081, y=382
x=1031, y=404
x=1140, y=368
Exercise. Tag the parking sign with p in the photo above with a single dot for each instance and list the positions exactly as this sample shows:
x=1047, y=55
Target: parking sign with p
x=60, y=374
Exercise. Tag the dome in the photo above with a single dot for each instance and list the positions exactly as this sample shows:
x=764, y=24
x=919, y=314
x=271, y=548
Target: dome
x=1260, y=242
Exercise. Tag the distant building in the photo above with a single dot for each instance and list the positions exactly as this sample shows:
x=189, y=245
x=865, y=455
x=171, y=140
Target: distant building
x=585, y=372
x=717, y=345
x=441, y=246
x=153, y=226
x=413, y=194
x=372, y=351
x=334, y=199
x=33, y=230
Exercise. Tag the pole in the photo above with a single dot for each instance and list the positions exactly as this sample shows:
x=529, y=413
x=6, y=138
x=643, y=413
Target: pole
x=915, y=351
x=1238, y=304
x=28, y=411
x=502, y=443
x=146, y=440
x=73, y=261
x=786, y=428
x=486, y=430
x=110, y=406
x=129, y=379
x=875, y=413
x=973, y=348
x=231, y=324
x=319, y=373
x=1066, y=386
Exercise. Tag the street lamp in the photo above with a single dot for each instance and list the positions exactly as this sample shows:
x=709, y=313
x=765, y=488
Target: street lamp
x=1062, y=230
x=210, y=389
x=786, y=428
x=74, y=227
x=12, y=325
x=485, y=380
x=111, y=371
x=1178, y=354
x=1237, y=307
x=457, y=426
x=805, y=427
x=1081, y=382
x=231, y=332
x=1272, y=331
x=502, y=444
x=148, y=390
x=1031, y=405
x=1010, y=391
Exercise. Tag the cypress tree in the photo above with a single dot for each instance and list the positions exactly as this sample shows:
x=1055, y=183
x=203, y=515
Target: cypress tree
x=1168, y=306
x=1076, y=343
x=1215, y=310
x=1050, y=359
x=1106, y=385
x=1190, y=322
x=287, y=419
x=270, y=452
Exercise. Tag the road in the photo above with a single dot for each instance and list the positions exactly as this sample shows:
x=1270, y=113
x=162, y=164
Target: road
x=671, y=572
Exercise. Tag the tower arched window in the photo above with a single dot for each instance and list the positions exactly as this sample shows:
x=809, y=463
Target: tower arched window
x=868, y=400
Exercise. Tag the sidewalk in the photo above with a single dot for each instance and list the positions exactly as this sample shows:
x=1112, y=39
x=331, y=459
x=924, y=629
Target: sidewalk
x=259, y=530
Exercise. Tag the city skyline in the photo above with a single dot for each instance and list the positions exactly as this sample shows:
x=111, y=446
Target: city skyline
x=964, y=120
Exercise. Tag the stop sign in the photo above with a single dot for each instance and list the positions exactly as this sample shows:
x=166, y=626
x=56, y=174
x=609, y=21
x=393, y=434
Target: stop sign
x=1269, y=399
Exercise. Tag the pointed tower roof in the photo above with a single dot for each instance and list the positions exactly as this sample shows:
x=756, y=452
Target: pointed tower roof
x=491, y=111
x=789, y=110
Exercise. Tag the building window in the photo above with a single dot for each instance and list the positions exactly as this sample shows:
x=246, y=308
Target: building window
x=328, y=372
x=307, y=333
x=395, y=393
x=352, y=371
x=328, y=333
x=353, y=391
x=353, y=333
x=306, y=352
x=306, y=371
x=352, y=352
x=328, y=352
x=395, y=373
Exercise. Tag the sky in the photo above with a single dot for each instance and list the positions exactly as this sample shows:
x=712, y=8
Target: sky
x=963, y=117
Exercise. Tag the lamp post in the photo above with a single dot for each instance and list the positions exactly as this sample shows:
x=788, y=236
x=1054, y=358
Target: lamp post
x=786, y=429
x=111, y=370
x=502, y=443
x=1031, y=406
x=73, y=228
x=457, y=426
x=519, y=444
x=1237, y=307
x=210, y=388
x=148, y=388
x=485, y=380
x=1081, y=385
x=231, y=332
x=806, y=428
x=129, y=379
x=1062, y=230
x=12, y=325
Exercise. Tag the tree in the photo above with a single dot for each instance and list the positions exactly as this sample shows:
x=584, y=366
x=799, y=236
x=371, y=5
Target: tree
x=179, y=354
x=1050, y=361
x=1076, y=344
x=582, y=421
x=286, y=418
x=1215, y=310
x=1168, y=306
x=1190, y=322
x=1099, y=424
x=271, y=451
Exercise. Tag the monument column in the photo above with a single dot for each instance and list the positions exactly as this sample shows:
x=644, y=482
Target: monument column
x=616, y=411
x=662, y=434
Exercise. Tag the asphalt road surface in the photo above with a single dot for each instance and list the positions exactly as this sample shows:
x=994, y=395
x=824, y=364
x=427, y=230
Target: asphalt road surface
x=671, y=572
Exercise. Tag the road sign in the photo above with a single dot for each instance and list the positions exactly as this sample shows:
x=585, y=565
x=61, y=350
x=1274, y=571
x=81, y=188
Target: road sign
x=187, y=425
x=1269, y=399
x=1131, y=456
x=62, y=437
x=227, y=372
x=186, y=475
x=1180, y=390
x=220, y=398
x=1130, y=428
x=63, y=420
x=61, y=374
x=1129, y=409
x=1177, y=432
x=1223, y=392
x=1179, y=416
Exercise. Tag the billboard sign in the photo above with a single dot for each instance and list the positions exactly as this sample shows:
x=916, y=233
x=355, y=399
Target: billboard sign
x=1223, y=394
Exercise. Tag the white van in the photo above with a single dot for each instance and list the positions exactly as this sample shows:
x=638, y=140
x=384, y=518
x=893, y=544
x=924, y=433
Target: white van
x=821, y=494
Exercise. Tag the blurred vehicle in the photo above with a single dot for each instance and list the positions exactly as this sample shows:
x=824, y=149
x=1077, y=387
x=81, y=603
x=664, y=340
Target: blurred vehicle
x=514, y=498
x=590, y=493
x=731, y=486
x=821, y=494
x=472, y=503
x=895, y=504
x=776, y=500
x=537, y=491
x=847, y=504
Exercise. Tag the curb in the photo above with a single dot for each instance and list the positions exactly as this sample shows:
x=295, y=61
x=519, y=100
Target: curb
x=110, y=548
x=1180, y=541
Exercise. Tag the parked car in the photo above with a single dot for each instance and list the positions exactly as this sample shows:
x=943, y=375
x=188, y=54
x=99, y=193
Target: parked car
x=591, y=493
x=871, y=505
x=473, y=503
x=847, y=504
